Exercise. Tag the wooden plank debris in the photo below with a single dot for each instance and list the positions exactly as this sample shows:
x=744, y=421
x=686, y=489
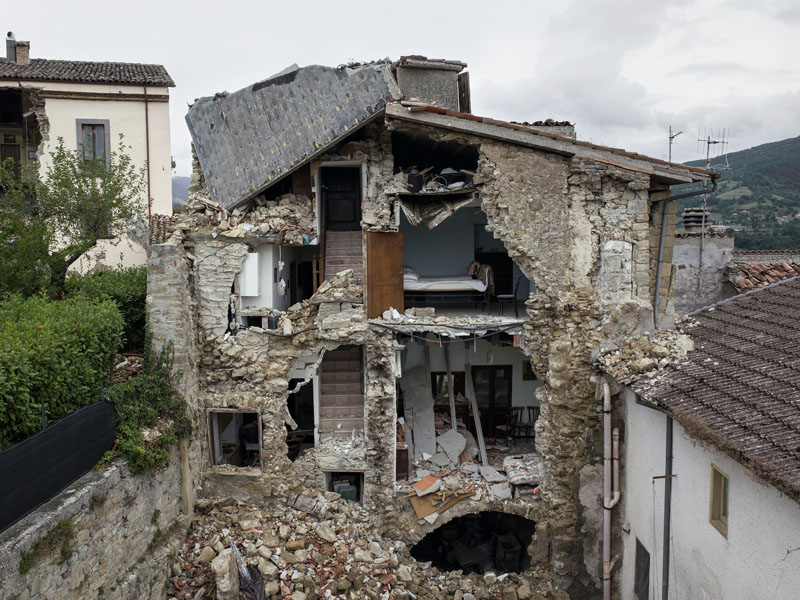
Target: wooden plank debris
x=474, y=404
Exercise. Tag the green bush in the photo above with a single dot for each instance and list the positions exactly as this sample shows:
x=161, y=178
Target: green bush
x=53, y=354
x=148, y=402
x=127, y=288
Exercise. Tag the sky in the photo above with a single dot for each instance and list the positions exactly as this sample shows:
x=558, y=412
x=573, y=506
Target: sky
x=621, y=71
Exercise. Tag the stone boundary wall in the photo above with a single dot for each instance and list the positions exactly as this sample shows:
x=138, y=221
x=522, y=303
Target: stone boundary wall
x=125, y=528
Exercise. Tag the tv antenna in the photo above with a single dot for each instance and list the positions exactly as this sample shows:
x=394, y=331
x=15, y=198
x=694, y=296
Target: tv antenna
x=672, y=136
x=709, y=140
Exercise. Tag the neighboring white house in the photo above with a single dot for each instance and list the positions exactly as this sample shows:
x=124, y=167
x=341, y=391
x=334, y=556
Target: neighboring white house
x=735, y=411
x=42, y=100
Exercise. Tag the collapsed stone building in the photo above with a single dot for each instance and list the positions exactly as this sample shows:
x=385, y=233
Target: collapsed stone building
x=334, y=334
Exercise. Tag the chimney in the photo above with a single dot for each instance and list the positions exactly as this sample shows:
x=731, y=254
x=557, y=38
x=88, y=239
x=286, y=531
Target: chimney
x=693, y=219
x=11, y=46
x=23, y=52
x=434, y=81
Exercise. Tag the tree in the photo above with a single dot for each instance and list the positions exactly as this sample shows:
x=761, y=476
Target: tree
x=49, y=220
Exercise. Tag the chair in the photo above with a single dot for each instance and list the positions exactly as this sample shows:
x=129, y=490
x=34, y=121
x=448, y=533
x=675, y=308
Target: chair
x=533, y=416
x=503, y=298
x=521, y=428
x=511, y=424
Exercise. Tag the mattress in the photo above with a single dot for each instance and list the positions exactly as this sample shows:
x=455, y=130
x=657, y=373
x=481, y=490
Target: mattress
x=450, y=283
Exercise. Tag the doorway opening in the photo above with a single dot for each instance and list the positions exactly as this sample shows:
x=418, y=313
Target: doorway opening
x=301, y=408
x=477, y=543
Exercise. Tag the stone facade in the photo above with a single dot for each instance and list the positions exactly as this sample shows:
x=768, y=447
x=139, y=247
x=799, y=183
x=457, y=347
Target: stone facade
x=582, y=230
x=124, y=529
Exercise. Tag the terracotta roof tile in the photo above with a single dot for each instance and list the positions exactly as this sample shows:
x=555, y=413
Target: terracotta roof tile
x=44, y=69
x=749, y=277
x=161, y=227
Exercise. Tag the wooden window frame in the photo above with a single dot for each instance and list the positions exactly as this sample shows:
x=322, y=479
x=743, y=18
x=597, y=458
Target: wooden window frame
x=493, y=394
x=719, y=500
x=106, y=124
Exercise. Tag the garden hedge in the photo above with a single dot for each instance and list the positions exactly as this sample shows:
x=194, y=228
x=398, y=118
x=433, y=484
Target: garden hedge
x=55, y=354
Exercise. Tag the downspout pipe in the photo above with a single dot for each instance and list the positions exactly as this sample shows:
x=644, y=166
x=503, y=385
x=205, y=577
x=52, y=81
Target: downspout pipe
x=610, y=500
x=147, y=159
x=667, y=510
x=663, y=235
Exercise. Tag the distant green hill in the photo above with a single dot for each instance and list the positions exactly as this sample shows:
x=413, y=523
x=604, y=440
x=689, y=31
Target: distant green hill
x=760, y=189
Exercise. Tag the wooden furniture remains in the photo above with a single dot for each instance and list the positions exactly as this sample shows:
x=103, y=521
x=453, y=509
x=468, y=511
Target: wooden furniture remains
x=493, y=394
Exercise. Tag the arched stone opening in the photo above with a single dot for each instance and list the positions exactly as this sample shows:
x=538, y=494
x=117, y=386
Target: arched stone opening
x=479, y=542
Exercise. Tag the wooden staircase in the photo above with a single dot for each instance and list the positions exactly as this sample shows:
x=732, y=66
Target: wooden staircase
x=341, y=393
x=343, y=250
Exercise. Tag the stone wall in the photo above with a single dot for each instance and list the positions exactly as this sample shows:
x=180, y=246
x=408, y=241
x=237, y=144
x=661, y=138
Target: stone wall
x=125, y=529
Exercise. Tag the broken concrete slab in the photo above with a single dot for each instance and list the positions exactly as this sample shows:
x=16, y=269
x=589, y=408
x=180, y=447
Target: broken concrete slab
x=501, y=490
x=419, y=410
x=453, y=443
x=491, y=474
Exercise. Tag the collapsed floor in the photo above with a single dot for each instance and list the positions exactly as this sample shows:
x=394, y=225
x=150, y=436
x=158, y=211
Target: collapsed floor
x=326, y=547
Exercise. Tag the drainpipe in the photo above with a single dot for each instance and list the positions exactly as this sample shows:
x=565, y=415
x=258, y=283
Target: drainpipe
x=147, y=158
x=663, y=235
x=667, y=511
x=610, y=455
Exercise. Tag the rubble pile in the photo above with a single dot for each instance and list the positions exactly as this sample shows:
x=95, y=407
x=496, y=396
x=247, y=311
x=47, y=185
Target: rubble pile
x=648, y=355
x=289, y=218
x=126, y=366
x=309, y=548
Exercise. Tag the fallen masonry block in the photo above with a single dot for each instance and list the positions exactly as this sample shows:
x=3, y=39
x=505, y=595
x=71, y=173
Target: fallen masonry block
x=307, y=504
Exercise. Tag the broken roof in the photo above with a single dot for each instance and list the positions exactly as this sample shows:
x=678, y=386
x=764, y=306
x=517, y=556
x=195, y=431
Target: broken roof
x=249, y=139
x=514, y=133
x=78, y=71
x=740, y=387
x=750, y=277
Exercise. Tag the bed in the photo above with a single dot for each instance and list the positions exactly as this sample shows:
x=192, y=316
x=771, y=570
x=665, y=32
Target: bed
x=445, y=289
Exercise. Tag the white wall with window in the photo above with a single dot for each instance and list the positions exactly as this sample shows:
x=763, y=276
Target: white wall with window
x=752, y=551
x=73, y=113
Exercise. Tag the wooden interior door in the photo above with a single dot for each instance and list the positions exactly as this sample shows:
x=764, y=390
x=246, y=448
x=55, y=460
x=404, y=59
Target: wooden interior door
x=342, y=186
x=384, y=272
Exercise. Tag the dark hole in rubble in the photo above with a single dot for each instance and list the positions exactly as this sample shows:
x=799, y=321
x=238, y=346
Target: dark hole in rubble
x=486, y=541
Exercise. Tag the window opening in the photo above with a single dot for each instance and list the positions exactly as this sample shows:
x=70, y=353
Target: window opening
x=349, y=485
x=235, y=438
x=486, y=541
x=641, y=581
x=720, y=491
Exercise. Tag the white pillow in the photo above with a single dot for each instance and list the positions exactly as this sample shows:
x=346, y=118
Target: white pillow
x=409, y=273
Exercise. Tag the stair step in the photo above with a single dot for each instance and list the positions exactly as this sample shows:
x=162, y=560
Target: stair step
x=337, y=389
x=353, y=251
x=331, y=235
x=326, y=400
x=341, y=376
x=336, y=434
x=328, y=425
x=341, y=412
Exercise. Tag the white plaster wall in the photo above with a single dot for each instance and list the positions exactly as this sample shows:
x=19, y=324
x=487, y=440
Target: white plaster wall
x=523, y=393
x=128, y=118
x=760, y=557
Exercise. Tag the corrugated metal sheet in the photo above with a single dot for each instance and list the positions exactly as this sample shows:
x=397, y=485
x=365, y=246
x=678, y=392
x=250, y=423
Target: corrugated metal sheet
x=249, y=139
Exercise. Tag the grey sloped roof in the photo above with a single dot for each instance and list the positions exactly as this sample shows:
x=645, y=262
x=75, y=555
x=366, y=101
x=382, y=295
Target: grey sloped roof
x=740, y=386
x=45, y=69
x=247, y=140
